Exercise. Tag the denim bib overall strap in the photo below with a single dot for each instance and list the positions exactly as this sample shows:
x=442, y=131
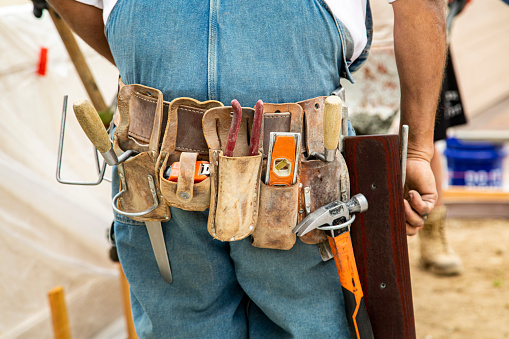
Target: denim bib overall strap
x=276, y=51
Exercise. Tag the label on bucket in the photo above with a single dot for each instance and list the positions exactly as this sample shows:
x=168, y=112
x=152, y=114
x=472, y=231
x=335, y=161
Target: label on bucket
x=474, y=164
x=481, y=178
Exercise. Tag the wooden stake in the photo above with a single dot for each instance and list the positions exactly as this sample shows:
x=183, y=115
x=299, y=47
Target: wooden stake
x=61, y=327
x=126, y=300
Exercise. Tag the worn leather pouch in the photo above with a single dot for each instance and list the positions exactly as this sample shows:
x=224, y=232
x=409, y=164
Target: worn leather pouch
x=235, y=181
x=140, y=197
x=277, y=217
x=184, y=193
x=279, y=205
x=320, y=180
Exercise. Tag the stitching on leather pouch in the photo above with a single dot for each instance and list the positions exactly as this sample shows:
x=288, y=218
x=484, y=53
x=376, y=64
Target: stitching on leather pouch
x=277, y=117
x=150, y=99
x=139, y=135
x=139, y=95
x=190, y=149
x=191, y=110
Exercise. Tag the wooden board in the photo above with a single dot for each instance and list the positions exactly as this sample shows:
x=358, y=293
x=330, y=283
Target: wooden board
x=379, y=234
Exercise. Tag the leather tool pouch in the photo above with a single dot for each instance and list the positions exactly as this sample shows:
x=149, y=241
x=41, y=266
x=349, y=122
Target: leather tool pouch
x=185, y=193
x=320, y=180
x=278, y=204
x=140, y=197
x=235, y=181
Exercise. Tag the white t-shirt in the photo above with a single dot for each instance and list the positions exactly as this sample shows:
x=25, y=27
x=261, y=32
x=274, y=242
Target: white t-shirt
x=352, y=13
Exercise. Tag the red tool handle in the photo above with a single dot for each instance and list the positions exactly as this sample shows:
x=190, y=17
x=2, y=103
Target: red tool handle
x=234, y=128
x=255, y=130
x=356, y=311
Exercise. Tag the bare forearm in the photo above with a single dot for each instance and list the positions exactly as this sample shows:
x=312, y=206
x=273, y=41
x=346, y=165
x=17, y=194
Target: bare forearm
x=420, y=47
x=87, y=22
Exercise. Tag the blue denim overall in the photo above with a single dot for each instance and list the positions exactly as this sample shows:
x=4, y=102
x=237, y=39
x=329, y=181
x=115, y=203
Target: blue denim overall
x=277, y=51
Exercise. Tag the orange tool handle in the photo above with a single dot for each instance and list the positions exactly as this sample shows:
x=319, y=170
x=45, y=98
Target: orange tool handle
x=356, y=311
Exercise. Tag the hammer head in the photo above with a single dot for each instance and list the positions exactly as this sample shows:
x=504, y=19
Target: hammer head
x=335, y=213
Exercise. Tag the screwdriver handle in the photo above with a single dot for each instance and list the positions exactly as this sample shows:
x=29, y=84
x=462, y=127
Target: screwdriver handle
x=332, y=114
x=92, y=125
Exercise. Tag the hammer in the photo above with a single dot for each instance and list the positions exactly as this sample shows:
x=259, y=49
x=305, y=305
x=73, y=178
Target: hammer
x=335, y=220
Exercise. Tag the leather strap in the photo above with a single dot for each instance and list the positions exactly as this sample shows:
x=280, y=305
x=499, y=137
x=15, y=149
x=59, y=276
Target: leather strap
x=190, y=138
x=185, y=181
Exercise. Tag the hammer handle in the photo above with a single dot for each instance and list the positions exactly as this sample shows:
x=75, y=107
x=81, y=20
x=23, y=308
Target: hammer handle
x=356, y=311
x=92, y=125
x=332, y=114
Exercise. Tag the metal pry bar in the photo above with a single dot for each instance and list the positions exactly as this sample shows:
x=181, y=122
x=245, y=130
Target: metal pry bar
x=404, y=152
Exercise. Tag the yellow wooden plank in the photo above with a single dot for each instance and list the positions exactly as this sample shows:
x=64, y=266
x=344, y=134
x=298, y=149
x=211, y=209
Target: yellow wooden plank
x=472, y=195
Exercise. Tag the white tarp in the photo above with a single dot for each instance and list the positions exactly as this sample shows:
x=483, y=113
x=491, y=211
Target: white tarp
x=50, y=234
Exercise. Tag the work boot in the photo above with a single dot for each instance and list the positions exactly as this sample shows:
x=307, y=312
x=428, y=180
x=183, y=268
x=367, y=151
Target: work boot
x=436, y=254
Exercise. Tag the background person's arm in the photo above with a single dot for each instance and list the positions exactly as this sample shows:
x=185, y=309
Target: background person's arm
x=420, y=48
x=87, y=22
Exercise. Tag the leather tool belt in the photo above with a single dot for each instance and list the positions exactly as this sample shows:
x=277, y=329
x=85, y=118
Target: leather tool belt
x=241, y=204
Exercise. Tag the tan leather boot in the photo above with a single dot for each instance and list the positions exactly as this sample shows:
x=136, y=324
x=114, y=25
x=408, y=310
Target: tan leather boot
x=436, y=254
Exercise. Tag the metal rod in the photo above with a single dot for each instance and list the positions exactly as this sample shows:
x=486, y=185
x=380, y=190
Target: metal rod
x=60, y=156
x=404, y=152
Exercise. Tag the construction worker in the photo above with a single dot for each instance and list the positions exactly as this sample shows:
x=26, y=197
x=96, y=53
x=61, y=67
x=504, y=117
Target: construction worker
x=374, y=109
x=277, y=51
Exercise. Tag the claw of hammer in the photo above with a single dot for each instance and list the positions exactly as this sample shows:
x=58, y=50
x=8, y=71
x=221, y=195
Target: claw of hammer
x=331, y=214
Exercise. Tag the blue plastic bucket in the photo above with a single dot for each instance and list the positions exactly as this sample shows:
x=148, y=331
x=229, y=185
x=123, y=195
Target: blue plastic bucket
x=474, y=163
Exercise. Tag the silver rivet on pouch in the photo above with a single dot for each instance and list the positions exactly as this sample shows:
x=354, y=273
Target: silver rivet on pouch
x=184, y=195
x=232, y=239
x=383, y=285
x=251, y=227
x=300, y=185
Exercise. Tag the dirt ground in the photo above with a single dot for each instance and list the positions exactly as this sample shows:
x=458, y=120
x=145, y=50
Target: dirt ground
x=476, y=303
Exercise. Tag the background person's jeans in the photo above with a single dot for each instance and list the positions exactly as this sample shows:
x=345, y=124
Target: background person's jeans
x=277, y=51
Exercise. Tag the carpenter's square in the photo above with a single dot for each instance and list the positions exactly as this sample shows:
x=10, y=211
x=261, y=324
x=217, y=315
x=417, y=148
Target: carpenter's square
x=335, y=219
x=94, y=129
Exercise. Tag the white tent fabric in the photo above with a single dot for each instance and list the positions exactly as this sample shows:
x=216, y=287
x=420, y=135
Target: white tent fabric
x=50, y=234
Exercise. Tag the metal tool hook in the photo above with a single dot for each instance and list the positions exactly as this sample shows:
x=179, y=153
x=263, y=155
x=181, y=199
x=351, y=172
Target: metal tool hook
x=101, y=168
x=124, y=189
x=337, y=227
